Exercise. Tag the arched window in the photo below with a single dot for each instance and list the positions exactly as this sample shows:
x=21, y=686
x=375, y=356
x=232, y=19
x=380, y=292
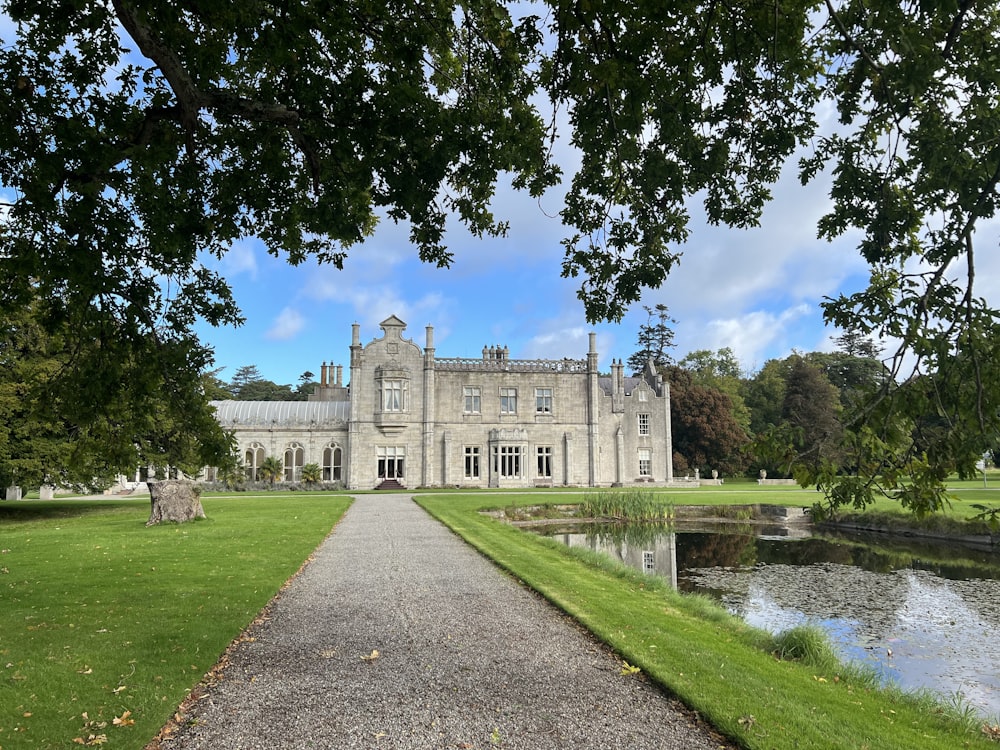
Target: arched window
x=252, y=460
x=294, y=456
x=333, y=458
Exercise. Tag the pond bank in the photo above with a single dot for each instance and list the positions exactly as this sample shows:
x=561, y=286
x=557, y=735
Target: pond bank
x=859, y=525
x=798, y=517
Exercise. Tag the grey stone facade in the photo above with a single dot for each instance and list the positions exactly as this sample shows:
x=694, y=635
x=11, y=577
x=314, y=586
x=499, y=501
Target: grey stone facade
x=491, y=421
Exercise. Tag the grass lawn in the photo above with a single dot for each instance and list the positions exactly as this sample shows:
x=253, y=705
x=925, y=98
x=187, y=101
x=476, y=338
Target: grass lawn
x=713, y=662
x=106, y=625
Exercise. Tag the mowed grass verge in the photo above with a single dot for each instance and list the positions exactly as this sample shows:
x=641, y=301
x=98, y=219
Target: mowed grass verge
x=713, y=662
x=102, y=619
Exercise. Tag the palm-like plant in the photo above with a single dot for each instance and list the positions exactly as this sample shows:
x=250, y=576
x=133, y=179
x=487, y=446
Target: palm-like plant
x=311, y=473
x=271, y=468
x=232, y=475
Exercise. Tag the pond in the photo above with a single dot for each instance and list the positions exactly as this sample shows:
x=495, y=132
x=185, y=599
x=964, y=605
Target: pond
x=926, y=616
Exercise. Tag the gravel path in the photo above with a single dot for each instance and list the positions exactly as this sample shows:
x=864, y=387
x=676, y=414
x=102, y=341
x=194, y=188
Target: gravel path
x=466, y=658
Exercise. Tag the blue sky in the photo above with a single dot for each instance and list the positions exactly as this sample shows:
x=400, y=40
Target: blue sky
x=756, y=291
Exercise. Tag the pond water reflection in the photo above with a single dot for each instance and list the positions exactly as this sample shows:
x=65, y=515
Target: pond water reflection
x=923, y=615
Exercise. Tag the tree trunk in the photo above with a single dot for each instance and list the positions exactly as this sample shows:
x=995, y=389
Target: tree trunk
x=177, y=500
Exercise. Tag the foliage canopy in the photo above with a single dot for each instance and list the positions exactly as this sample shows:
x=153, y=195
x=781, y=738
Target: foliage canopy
x=138, y=140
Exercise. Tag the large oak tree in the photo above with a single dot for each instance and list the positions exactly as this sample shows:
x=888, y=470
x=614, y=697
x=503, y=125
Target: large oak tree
x=138, y=139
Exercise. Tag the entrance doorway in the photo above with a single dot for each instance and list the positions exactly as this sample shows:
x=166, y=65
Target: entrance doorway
x=390, y=462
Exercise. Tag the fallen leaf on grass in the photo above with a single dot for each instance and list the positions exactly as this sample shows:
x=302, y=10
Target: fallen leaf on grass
x=91, y=725
x=372, y=656
x=92, y=741
x=124, y=720
x=85, y=670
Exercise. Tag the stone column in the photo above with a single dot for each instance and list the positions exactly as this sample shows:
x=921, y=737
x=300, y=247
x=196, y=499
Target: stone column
x=427, y=470
x=669, y=442
x=445, y=458
x=593, y=396
x=351, y=456
x=619, y=456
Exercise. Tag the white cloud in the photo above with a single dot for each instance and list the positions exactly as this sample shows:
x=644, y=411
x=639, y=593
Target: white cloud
x=987, y=262
x=286, y=326
x=6, y=200
x=572, y=342
x=725, y=269
x=754, y=336
x=240, y=259
x=371, y=303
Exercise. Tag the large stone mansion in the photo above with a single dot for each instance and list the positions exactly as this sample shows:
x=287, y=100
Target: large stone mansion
x=408, y=418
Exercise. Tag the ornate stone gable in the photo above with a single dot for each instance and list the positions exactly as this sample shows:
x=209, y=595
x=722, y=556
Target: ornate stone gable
x=393, y=347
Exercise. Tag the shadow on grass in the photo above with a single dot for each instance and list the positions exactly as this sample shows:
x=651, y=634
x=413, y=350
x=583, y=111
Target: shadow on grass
x=26, y=511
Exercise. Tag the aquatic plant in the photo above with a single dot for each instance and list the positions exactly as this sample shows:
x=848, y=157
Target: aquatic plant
x=808, y=644
x=631, y=504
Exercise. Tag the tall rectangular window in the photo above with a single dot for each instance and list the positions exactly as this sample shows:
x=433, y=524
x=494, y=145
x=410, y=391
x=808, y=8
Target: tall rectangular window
x=508, y=400
x=643, y=424
x=507, y=460
x=473, y=399
x=393, y=395
x=472, y=462
x=543, y=401
x=544, y=461
x=645, y=462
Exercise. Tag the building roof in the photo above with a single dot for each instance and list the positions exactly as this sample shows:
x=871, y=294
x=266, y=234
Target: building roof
x=607, y=385
x=282, y=413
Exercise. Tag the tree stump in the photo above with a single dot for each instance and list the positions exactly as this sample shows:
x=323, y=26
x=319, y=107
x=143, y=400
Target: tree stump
x=177, y=500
